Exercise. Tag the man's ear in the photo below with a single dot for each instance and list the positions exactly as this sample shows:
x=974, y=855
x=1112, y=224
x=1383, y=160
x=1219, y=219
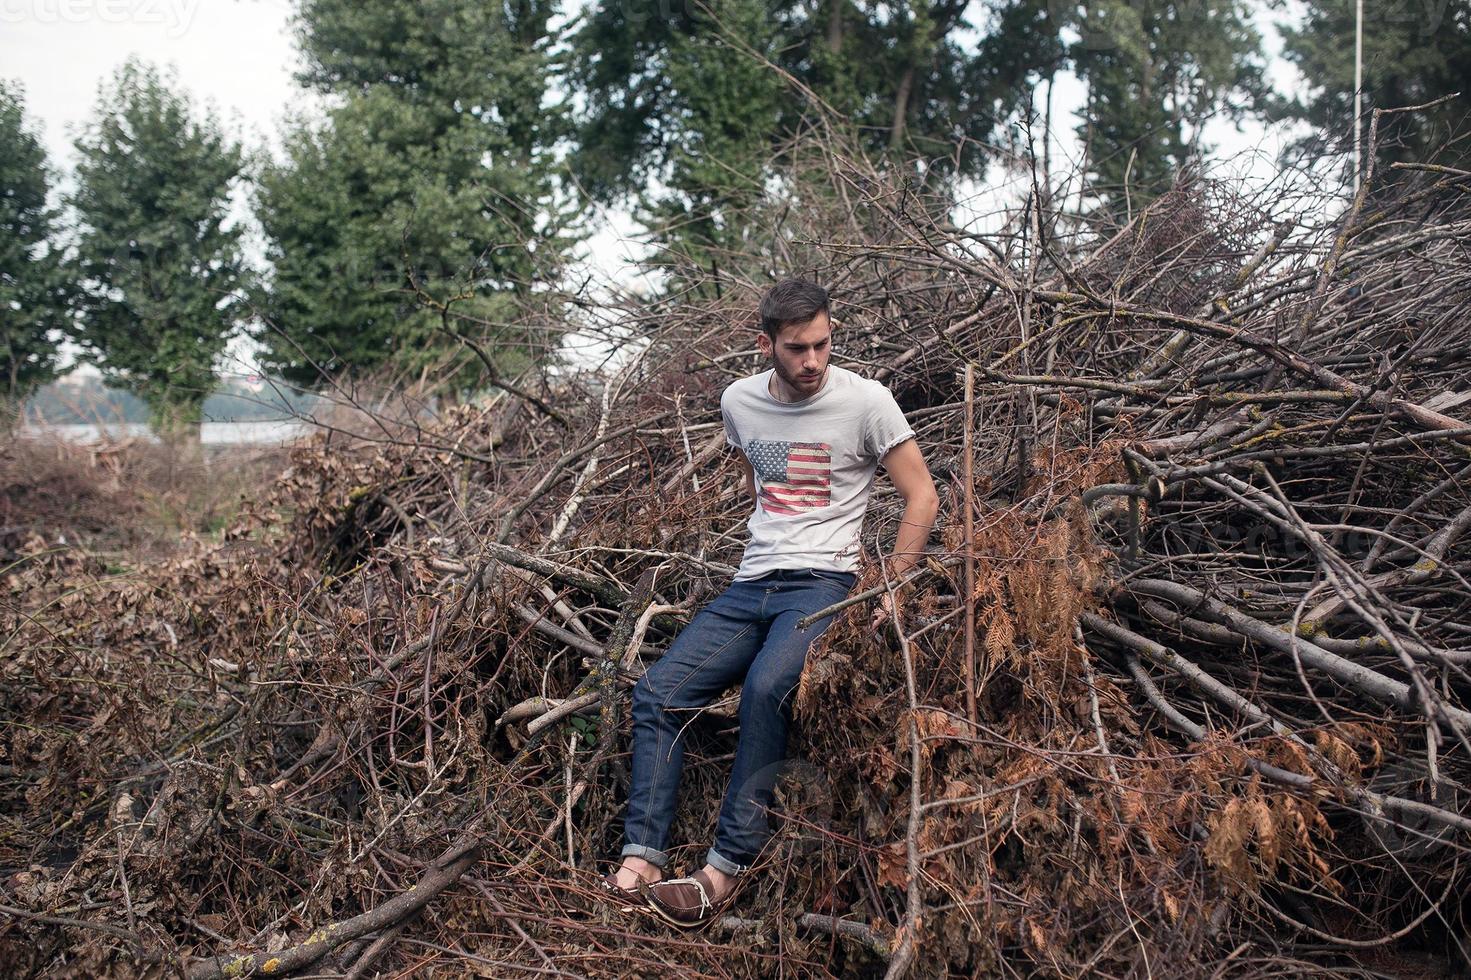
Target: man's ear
x=763, y=343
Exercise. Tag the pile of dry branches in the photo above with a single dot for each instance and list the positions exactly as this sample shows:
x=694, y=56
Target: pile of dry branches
x=1183, y=684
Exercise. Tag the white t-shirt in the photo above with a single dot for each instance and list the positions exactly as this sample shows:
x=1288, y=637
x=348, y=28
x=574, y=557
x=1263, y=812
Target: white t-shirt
x=815, y=461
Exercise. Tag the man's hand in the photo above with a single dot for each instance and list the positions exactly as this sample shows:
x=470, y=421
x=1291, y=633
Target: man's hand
x=883, y=612
x=911, y=477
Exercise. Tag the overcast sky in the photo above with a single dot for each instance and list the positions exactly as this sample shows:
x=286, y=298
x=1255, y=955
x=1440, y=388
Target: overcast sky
x=236, y=54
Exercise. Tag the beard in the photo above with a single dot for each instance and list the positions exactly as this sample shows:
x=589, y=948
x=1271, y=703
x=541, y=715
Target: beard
x=795, y=381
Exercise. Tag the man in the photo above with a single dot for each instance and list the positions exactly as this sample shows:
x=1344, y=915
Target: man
x=810, y=437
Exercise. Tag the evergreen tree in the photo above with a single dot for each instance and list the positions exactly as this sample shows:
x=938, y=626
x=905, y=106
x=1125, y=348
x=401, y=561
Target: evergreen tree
x=1413, y=54
x=429, y=183
x=1156, y=72
x=689, y=106
x=160, y=270
x=33, y=293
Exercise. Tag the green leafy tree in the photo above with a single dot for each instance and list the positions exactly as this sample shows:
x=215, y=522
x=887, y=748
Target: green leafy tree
x=715, y=167
x=691, y=108
x=160, y=268
x=33, y=293
x=1413, y=53
x=429, y=184
x=1156, y=72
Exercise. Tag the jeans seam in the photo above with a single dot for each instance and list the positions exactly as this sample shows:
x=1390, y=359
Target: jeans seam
x=740, y=867
x=645, y=852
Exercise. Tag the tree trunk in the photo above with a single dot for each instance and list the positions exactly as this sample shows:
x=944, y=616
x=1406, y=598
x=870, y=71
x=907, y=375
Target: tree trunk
x=901, y=108
x=1047, y=142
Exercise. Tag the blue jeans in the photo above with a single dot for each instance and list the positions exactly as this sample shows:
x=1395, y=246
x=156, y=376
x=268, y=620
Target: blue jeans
x=749, y=633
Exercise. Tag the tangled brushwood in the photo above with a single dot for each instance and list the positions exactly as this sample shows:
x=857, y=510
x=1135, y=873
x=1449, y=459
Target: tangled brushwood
x=1182, y=687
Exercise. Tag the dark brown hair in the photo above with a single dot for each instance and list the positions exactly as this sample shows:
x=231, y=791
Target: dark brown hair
x=791, y=301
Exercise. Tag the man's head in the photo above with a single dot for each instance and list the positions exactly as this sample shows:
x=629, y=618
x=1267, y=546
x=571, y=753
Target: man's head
x=796, y=333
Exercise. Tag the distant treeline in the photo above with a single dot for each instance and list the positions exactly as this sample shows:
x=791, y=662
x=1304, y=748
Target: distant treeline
x=89, y=401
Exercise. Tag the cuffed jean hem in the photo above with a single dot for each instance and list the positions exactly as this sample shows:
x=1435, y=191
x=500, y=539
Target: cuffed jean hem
x=657, y=858
x=723, y=864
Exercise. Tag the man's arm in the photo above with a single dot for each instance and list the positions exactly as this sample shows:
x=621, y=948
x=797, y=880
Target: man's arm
x=911, y=477
x=748, y=473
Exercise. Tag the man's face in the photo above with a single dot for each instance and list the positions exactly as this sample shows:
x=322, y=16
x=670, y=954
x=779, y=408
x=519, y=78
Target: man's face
x=799, y=354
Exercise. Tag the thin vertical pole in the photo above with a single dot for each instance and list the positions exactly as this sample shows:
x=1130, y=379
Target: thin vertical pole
x=970, y=547
x=1358, y=89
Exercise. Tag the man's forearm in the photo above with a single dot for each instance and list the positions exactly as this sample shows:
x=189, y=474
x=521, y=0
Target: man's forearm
x=914, y=531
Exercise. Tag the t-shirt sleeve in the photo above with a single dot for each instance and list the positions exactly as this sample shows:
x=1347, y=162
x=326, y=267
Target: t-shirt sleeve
x=885, y=425
x=731, y=436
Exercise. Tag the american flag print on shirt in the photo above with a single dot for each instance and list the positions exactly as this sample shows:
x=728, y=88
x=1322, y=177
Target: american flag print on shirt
x=795, y=476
